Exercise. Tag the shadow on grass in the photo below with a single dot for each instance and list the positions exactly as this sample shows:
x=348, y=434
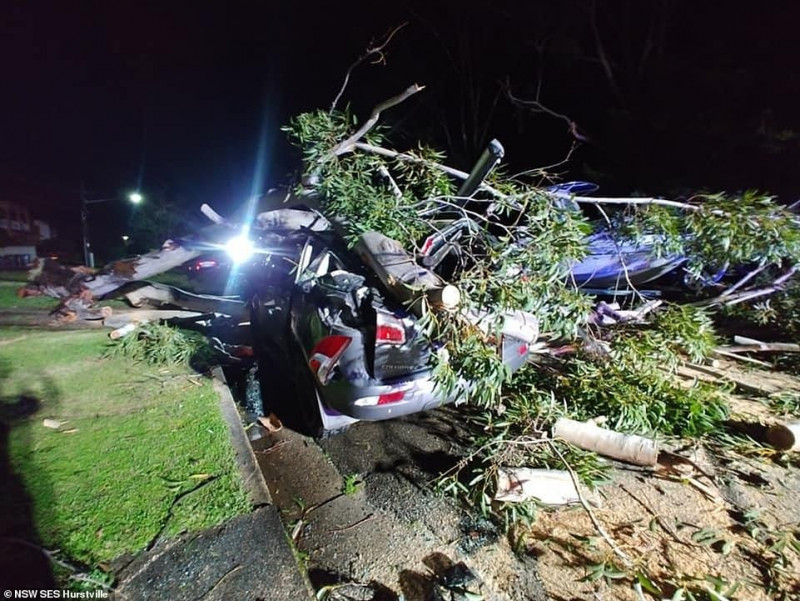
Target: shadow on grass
x=23, y=561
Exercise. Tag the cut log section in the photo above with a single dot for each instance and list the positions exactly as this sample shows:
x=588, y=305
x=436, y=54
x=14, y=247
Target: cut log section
x=141, y=293
x=408, y=281
x=520, y=484
x=625, y=447
x=785, y=437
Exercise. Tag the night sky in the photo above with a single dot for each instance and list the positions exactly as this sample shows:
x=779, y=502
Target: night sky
x=177, y=97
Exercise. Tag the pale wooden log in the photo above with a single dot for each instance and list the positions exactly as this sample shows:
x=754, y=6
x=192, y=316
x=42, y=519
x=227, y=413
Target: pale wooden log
x=408, y=281
x=763, y=347
x=212, y=215
x=785, y=437
x=124, y=330
x=625, y=447
x=116, y=274
x=520, y=484
x=160, y=294
x=121, y=319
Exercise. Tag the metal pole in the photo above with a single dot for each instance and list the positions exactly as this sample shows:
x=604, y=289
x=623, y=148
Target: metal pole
x=490, y=157
x=85, y=226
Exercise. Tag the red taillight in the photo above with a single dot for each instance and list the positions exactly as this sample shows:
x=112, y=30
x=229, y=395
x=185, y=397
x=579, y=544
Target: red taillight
x=426, y=246
x=325, y=356
x=389, y=330
x=391, y=397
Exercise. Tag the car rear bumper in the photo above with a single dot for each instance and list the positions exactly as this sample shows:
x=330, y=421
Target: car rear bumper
x=419, y=393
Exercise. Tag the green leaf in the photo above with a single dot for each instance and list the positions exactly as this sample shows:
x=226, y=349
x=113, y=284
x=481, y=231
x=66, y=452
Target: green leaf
x=647, y=583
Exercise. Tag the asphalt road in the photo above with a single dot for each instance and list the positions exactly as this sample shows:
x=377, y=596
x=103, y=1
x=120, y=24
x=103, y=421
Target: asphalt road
x=388, y=535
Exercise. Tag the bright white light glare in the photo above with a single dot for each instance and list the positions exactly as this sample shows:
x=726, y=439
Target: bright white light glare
x=135, y=198
x=240, y=248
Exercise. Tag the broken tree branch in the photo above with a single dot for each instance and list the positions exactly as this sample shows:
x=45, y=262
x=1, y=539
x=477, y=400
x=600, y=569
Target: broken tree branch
x=744, y=280
x=760, y=347
x=373, y=50
x=537, y=107
x=404, y=156
x=595, y=522
x=600, y=200
x=396, y=192
x=348, y=145
x=747, y=295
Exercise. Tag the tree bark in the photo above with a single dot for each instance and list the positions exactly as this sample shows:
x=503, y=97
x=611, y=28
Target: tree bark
x=408, y=281
x=625, y=447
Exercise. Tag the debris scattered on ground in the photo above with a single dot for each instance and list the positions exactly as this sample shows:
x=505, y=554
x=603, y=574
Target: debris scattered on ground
x=270, y=423
x=124, y=330
x=785, y=437
x=521, y=484
x=477, y=532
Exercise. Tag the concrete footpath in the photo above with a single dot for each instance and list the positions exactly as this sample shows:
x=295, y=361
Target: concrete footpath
x=247, y=558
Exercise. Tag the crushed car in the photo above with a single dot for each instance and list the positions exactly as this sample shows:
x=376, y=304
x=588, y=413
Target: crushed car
x=355, y=350
x=347, y=322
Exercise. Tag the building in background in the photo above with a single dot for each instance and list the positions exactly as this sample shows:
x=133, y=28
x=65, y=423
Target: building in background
x=19, y=235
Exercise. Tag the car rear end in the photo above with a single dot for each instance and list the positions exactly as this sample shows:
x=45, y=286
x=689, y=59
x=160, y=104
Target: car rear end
x=369, y=359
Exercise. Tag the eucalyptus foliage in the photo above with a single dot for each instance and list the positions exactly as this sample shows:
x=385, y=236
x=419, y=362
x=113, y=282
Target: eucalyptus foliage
x=160, y=344
x=722, y=230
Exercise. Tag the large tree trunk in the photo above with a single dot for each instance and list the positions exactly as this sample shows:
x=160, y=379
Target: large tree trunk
x=79, y=287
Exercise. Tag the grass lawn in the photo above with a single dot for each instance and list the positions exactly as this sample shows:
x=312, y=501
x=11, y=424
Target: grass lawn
x=133, y=439
x=10, y=300
x=14, y=276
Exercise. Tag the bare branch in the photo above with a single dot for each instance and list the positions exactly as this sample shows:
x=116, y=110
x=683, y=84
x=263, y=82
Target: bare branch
x=595, y=522
x=396, y=192
x=599, y=200
x=375, y=51
x=620, y=255
x=403, y=156
x=349, y=143
x=537, y=107
x=746, y=295
x=542, y=171
x=744, y=280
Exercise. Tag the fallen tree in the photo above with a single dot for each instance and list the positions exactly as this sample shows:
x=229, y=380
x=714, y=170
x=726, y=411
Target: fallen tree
x=519, y=255
x=515, y=256
x=77, y=288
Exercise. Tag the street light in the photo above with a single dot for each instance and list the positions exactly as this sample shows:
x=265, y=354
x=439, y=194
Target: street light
x=88, y=255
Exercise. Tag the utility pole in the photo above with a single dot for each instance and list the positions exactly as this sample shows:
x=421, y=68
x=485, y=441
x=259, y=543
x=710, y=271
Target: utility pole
x=88, y=258
x=88, y=255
